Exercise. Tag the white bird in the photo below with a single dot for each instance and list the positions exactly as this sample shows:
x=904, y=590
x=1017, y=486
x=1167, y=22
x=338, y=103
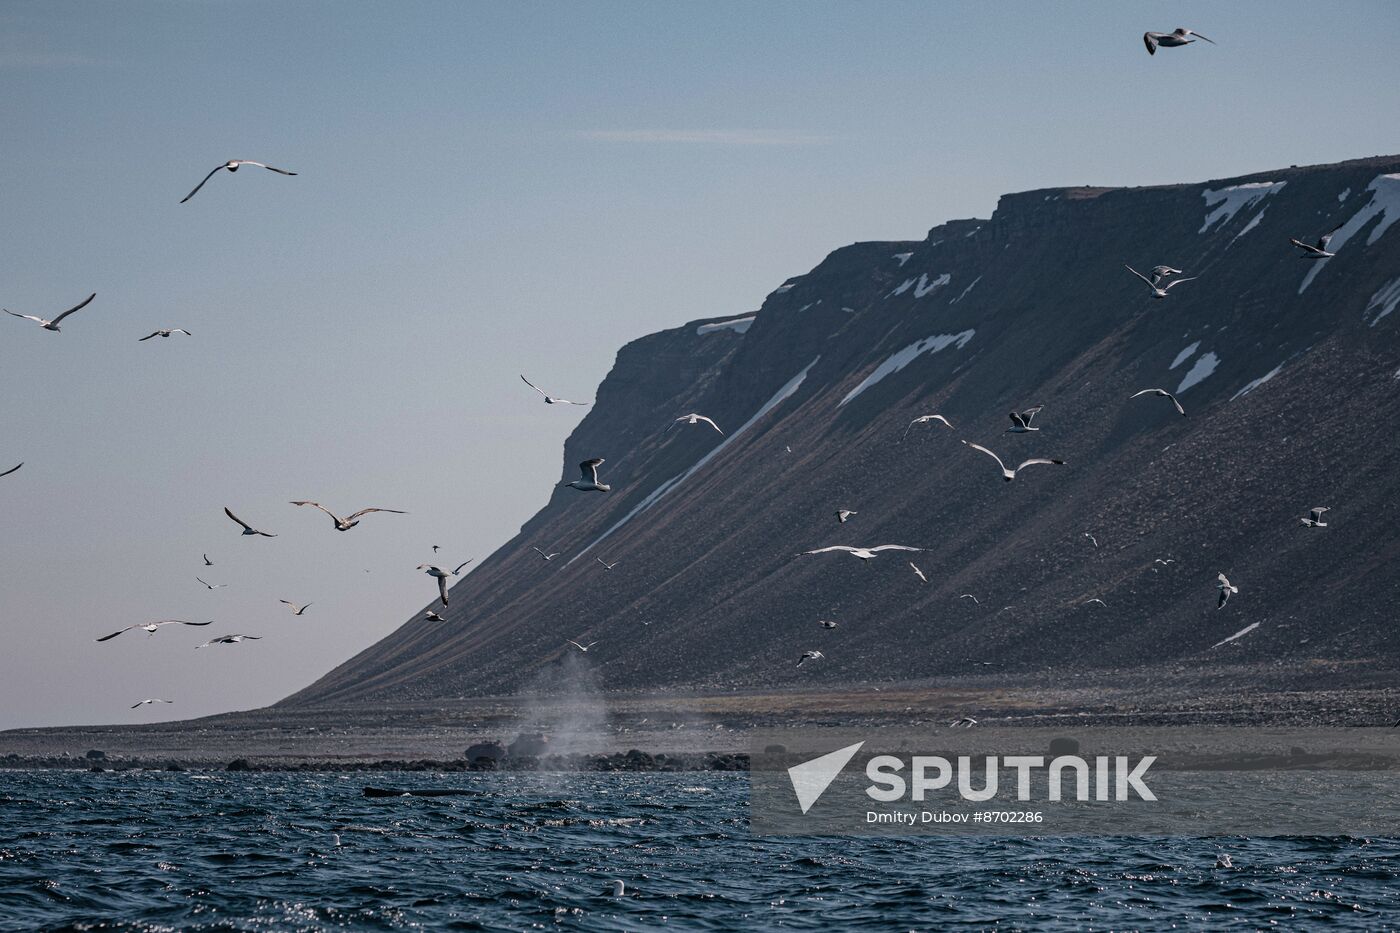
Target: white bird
x=228, y=640
x=1092, y=538
x=924, y=419
x=1223, y=860
x=614, y=889
x=1226, y=590
x=247, y=528
x=232, y=166
x=810, y=656
x=827, y=623
x=588, y=477
x=435, y=548
x=1320, y=250
x=144, y=702
x=52, y=325
x=12, y=469
x=1158, y=291
x=966, y=722
x=549, y=399
x=433, y=570
x=1096, y=600
x=543, y=554
x=1021, y=421
x=1161, y=272
x=1170, y=40
x=583, y=648
x=864, y=553
x=918, y=572
x=296, y=610
x=150, y=627
x=207, y=561
x=843, y=514
x=434, y=617
x=350, y=521
x=1164, y=394
x=693, y=418
x=165, y=333
x=1314, y=519
x=606, y=565
x=1164, y=561
x=211, y=586
x=1010, y=475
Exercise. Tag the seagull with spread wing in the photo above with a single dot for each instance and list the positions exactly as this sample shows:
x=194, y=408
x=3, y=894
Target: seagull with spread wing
x=1159, y=291
x=1009, y=475
x=583, y=648
x=1021, y=420
x=548, y=399
x=863, y=553
x=149, y=627
x=694, y=418
x=1170, y=40
x=145, y=702
x=52, y=325
x=296, y=610
x=165, y=333
x=350, y=521
x=433, y=570
x=12, y=469
x=232, y=165
x=211, y=586
x=247, y=528
x=588, y=477
x=1320, y=250
x=228, y=640
x=1164, y=394
x=924, y=419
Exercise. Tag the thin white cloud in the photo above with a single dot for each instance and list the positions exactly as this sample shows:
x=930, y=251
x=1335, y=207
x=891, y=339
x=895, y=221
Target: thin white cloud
x=708, y=137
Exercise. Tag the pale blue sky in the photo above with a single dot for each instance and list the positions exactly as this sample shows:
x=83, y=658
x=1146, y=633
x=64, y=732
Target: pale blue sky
x=478, y=182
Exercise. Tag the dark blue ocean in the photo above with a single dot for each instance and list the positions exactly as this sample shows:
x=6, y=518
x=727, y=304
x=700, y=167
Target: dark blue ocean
x=179, y=852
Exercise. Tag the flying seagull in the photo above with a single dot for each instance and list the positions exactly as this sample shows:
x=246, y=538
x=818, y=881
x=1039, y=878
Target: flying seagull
x=693, y=418
x=207, y=561
x=1096, y=600
x=145, y=702
x=1320, y=250
x=435, y=548
x=1164, y=562
x=52, y=325
x=1314, y=519
x=583, y=648
x=924, y=419
x=1170, y=40
x=350, y=521
x=551, y=400
x=588, y=477
x=165, y=333
x=247, y=528
x=227, y=640
x=863, y=553
x=1161, y=272
x=810, y=656
x=434, y=617
x=12, y=469
x=1164, y=394
x=1226, y=589
x=828, y=623
x=296, y=610
x=843, y=514
x=1021, y=420
x=232, y=166
x=543, y=554
x=918, y=572
x=211, y=586
x=433, y=570
x=1158, y=291
x=966, y=722
x=150, y=627
x=1009, y=475
x=606, y=565
x=1092, y=538
x=971, y=597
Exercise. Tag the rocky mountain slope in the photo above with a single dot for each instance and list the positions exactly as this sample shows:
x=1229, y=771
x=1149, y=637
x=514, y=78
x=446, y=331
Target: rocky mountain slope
x=1289, y=371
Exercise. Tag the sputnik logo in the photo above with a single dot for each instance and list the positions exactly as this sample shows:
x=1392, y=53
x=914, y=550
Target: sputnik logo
x=811, y=778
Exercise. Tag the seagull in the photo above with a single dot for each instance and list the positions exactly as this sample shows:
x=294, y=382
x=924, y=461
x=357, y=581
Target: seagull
x=1320, y=250
x=543, y=554
x=52, y=325
x=150, y=627
x=1021, y=421
x=232, y=165
x=810, y=656
x=165, y=333
x=583, y=648
x=1226, y=589
x=1164, y=562
x=827, y=623
x=918, y=572
x=924, y=419
x=247, y=528
x=693, y=418
x=1164, y=394
x=966, y=722
x=1161, y=272
x=863, y=553
x=1009, y=475
x=345, y=524
x=1170, y=40
x=435, y=548
x=12, y=469
x=211, y=586
x=1096, y=600
x=434, y=617
x=144, y=702
x=227, y=640
x=843, y=514
x=614, y=889
x=1092, y=538
x=551, y=400
x=971, y=597
x=606, y=565
x=1158, y=291
x=207, y=561
x=433, y=570
x=296, y=610
x=1314, y=519
x=588, y=477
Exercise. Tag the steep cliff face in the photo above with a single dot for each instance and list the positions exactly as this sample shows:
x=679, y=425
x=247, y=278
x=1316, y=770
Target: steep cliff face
x=1287, y=368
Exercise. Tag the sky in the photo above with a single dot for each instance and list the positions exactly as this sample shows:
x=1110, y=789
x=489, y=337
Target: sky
x=486, y=189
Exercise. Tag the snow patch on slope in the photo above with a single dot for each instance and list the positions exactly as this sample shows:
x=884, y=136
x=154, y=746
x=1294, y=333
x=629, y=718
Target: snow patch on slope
x=1250, y=387
x=1185, y=355
x=965, y=291
x=902, y=257
x=903, y=287
x=1385, y=203
x=909, y=354
x=1386, y=300
x=1203, y=368
x=739, y=325
x=925, y=286
x=1229, y=201
x=660, y=492
x=1249, y=226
